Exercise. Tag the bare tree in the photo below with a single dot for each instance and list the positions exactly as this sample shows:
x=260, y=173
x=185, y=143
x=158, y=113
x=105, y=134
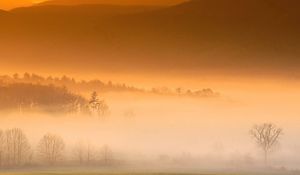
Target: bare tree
x=267, y=136
x=79, y=152
x=51, y=148
x=84, y=153
x=17, y=148
x=90, y=153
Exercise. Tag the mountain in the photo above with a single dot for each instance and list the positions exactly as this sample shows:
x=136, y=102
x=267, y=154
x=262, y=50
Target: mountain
x=112, y=2
x=254, y=36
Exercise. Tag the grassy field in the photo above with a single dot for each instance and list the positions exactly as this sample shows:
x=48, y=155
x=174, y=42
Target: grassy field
x=85, y=173
x=91, y=172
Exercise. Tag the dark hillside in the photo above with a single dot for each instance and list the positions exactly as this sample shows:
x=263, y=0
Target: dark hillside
x=224, y=35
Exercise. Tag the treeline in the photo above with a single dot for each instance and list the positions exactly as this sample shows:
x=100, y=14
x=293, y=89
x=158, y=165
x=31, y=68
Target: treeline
x=16, y=151
x=102, y=87
x=207, y=92
x=28, y=97
x=24, y=97
x=70, y=83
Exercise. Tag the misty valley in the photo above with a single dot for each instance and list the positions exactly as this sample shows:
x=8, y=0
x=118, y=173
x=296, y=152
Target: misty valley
x=149, y=87
x=89, y=124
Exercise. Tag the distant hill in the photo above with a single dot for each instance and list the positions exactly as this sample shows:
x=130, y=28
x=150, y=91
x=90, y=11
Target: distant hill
x=253, y=36
x=112, y=2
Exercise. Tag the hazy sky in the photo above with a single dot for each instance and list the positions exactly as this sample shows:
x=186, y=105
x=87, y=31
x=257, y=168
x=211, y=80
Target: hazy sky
x=7, y=4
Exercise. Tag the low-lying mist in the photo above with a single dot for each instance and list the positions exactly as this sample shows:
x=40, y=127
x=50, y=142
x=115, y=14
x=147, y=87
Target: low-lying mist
x=176, y=132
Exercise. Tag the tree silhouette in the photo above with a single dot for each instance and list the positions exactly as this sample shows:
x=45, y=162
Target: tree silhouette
x=94, y=101
x=51, y=148
x=84, y=153
x=98, y=107
x=17, y=147
x=267, y=136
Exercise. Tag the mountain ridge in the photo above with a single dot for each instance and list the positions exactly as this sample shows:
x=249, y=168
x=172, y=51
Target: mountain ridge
x=248, y=35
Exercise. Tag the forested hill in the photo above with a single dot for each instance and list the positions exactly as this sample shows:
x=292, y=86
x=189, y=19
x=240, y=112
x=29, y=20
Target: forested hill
x=86, y=87
x=22, y=97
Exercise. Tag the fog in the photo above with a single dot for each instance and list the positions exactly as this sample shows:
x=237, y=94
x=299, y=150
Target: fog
x=201, y=86
x=181, y=132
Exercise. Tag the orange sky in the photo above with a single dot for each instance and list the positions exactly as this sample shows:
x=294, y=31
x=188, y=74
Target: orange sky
x=8, y=4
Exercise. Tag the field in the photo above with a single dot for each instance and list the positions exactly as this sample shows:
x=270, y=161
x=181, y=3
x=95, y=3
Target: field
x=86, y=173
x=101, y=173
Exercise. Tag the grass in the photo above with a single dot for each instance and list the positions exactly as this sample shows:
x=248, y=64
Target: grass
x=87, y=173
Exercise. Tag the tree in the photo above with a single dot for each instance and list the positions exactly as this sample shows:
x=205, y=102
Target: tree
x=79, y=152
x=179, y=91
x=84, y=153
x=16, y=76
x=90, y=154
x=98, y=107
x=27, y=76
x=267, y=136
x=51, y=148
x=103, y=109
x=17, y=148
x=94, y=101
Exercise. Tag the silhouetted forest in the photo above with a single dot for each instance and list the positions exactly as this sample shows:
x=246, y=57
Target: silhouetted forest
x=16, y=151
x=83, y=87
x=34, y=97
